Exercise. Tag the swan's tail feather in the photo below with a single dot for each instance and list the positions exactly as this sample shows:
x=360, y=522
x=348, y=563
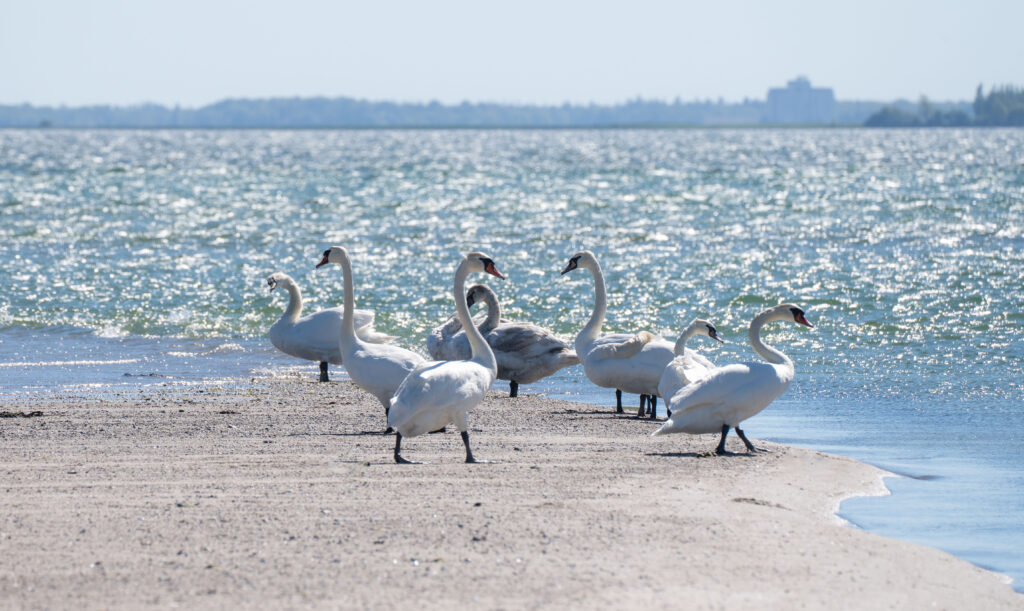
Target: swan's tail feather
x=664, y=429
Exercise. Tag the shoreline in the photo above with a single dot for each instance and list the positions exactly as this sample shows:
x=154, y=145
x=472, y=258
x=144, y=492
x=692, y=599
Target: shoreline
x=268, y=494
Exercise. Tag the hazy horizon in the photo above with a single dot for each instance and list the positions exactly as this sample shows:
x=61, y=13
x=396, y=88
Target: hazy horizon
x=192, y=53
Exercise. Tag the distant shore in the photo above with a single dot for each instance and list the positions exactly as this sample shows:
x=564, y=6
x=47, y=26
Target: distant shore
x=272, y=495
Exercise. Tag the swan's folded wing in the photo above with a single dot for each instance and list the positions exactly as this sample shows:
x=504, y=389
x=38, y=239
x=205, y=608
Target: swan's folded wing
x=699, y=359
x=524, y=339
x=623, y=350
x=716, y=386
x=436, y=385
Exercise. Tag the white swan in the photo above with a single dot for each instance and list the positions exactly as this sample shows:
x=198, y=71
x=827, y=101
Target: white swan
x=626, y=362
x=315, y=337
x=376, y=368
x=731, y=394
x=439, y=392
x=524, y=351
x=688, y=366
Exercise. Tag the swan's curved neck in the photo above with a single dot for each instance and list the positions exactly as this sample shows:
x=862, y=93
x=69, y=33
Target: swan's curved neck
x=294, y=309
x=348, y=319
x=592, y=329
x=772, y=355
x=684, y=337
x=480, y=351
x=493, y=313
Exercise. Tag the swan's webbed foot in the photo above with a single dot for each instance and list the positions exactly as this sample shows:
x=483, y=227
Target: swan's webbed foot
x=746, y=442
x=513, y=388
x=323, y=372
x=398, y=452
x=618, y=401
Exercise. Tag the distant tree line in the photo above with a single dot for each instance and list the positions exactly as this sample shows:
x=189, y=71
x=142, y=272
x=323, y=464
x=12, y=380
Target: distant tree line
x=1003, y=106
x=322, y=112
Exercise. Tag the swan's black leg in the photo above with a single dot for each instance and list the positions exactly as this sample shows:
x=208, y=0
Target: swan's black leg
x=618, y=401
x=469, y=453
x=388, y=430
x=398, y=452
x=323, y=372
x=652, y=401
x=643, y=403
x=720, y=450
x=513, y=388
x=746, y=442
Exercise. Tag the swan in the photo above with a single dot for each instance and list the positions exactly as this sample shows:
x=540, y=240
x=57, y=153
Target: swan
x=376, y=368
x=688, y=366
x=524, y=351
x=439, y=392
x=626, y=362
x=314, y=337
x=729, y=395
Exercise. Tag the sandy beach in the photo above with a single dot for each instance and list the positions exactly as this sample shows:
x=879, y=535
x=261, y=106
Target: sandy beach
x=279, y=495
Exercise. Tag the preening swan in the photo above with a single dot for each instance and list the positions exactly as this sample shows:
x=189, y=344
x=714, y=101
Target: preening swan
x=731, y=394
x=440, y=392
x=376, y=368
x=524, y=351
x=626, y=362
x=315, y=337
x=688, y=366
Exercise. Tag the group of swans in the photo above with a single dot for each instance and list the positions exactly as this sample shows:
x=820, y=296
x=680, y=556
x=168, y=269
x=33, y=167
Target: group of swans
x=421, y=396
x=700, y=397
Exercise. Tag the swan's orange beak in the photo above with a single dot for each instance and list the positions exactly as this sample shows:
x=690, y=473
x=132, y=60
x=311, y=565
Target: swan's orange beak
x=800, y=318
x=570, y=267
x=322, y=262
x=490, y=268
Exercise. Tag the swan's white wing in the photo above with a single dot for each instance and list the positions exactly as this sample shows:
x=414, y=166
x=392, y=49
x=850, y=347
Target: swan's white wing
x=699, y=359
x=313, y=337
x=727, y=395
x=434, y=393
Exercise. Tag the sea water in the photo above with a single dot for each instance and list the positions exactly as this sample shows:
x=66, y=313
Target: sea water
x=137, y=259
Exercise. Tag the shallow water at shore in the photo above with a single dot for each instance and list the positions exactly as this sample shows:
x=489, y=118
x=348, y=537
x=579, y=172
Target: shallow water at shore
x=137, y=259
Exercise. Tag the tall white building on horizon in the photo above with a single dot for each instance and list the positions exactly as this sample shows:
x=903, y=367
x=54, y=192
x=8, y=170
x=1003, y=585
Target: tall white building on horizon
x=798, y=102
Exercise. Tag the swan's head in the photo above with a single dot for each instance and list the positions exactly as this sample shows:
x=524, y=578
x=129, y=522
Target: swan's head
x=477, y=293
x=334, y=254
x=583, y=258
x=278, y=278
x=706, y=328
x=788, y=311
x=479, y=262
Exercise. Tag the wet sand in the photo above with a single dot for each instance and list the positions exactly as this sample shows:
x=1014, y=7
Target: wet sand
x=279, y=495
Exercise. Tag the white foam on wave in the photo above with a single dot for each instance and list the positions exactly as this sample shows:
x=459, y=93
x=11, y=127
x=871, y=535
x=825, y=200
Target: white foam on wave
x=66, y=363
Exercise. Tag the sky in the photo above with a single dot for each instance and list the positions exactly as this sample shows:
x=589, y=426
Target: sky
x=195, y=52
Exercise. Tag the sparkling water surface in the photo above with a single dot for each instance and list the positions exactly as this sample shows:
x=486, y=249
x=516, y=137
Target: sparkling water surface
x=138, y=258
